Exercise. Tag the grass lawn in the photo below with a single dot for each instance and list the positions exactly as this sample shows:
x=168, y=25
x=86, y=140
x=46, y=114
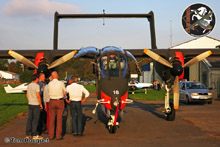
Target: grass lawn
x=90, y=88
x=139, y=94
x=151, y=95
x=10, y=106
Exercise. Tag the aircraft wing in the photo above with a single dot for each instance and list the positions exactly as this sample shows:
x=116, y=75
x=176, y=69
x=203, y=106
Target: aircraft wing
x=9, y=89
x=50, y=54
x=22, y=87
x=138, y=53
x=141, y=85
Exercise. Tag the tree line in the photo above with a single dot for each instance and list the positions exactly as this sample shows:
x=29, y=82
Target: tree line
x=82, y=68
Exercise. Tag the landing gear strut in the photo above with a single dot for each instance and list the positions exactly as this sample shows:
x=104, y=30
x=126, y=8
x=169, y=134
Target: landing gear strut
x=113, y=124
x=169, y=108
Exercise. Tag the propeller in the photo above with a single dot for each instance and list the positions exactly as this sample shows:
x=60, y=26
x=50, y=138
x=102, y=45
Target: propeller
x=157, y=58
x=176, y=69
x=62, y=59
x=22, y=59
x=57, y=62
x=197, y=58
x=176, y=93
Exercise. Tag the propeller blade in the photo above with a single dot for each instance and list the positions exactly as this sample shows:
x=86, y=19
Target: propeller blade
x=62, y=60
x=22, y=59
x=176, y=93
x=157, y=58
x=197, y=58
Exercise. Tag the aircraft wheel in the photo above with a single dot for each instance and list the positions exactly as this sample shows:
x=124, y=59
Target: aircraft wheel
x=210, y=102
x=187, y=100
x=171, y=115
x=112, y=129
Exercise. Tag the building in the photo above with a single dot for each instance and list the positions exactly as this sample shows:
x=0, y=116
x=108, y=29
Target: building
x=9, y=75
x=147, y=72
x=208, y=70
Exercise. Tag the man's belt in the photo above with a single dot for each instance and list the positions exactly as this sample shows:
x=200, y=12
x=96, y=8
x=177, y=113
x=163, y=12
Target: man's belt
x=57, y=99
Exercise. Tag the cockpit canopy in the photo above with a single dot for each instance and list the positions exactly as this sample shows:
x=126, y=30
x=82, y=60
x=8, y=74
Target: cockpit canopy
x=113, y=63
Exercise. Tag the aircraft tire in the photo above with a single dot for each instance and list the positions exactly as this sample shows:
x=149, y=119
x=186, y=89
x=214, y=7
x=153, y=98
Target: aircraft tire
x=187, y=100
x=112, y=129
x=172, y=114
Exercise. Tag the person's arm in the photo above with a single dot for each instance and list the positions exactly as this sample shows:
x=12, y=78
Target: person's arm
x=39, y=99
x=83, y=100
x=68, y=101
x=64, y=89
x=27, y=95
x=67, y=91
x=44, y=97
x=86, y=92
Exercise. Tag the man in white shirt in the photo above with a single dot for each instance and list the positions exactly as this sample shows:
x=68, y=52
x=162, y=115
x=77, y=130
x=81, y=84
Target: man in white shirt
x=76, y=92
x=56, y=92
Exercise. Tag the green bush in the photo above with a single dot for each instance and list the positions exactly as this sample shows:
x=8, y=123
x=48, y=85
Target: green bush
x=26, y=76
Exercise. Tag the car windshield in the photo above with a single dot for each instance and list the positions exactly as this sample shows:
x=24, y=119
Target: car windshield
x=195, y=86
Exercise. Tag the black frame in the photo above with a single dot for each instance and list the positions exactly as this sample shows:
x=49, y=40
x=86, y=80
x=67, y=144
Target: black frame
x=149, y=16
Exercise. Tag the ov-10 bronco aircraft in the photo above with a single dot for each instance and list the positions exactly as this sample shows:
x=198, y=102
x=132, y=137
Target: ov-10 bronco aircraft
x=112, y=67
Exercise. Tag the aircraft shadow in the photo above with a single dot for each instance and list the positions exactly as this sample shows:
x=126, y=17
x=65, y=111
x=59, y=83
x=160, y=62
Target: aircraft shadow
x=149, y=108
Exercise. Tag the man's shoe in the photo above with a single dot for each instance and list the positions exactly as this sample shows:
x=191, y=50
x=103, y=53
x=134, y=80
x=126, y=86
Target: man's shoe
x=28, y=137
x=51, y=138
x=60, y=138
x=38, y=137
x=80, y=134
x=75, y=134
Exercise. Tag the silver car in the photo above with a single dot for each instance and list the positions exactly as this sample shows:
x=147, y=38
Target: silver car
x=194, y=92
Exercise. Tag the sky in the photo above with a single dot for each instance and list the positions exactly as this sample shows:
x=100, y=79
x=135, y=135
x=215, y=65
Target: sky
x=28, y=24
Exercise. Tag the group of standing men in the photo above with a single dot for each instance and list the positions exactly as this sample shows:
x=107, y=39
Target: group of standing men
x=48, y=100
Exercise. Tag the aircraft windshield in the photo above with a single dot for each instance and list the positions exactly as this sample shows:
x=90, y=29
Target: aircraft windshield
x=103, y=66
x=113, y=66
x=124, y=65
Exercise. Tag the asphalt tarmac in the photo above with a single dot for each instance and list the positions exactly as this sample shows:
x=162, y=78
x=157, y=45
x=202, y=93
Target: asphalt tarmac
x=143, y=124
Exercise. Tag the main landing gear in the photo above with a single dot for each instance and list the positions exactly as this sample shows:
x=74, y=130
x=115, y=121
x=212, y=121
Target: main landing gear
x=169, y=107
